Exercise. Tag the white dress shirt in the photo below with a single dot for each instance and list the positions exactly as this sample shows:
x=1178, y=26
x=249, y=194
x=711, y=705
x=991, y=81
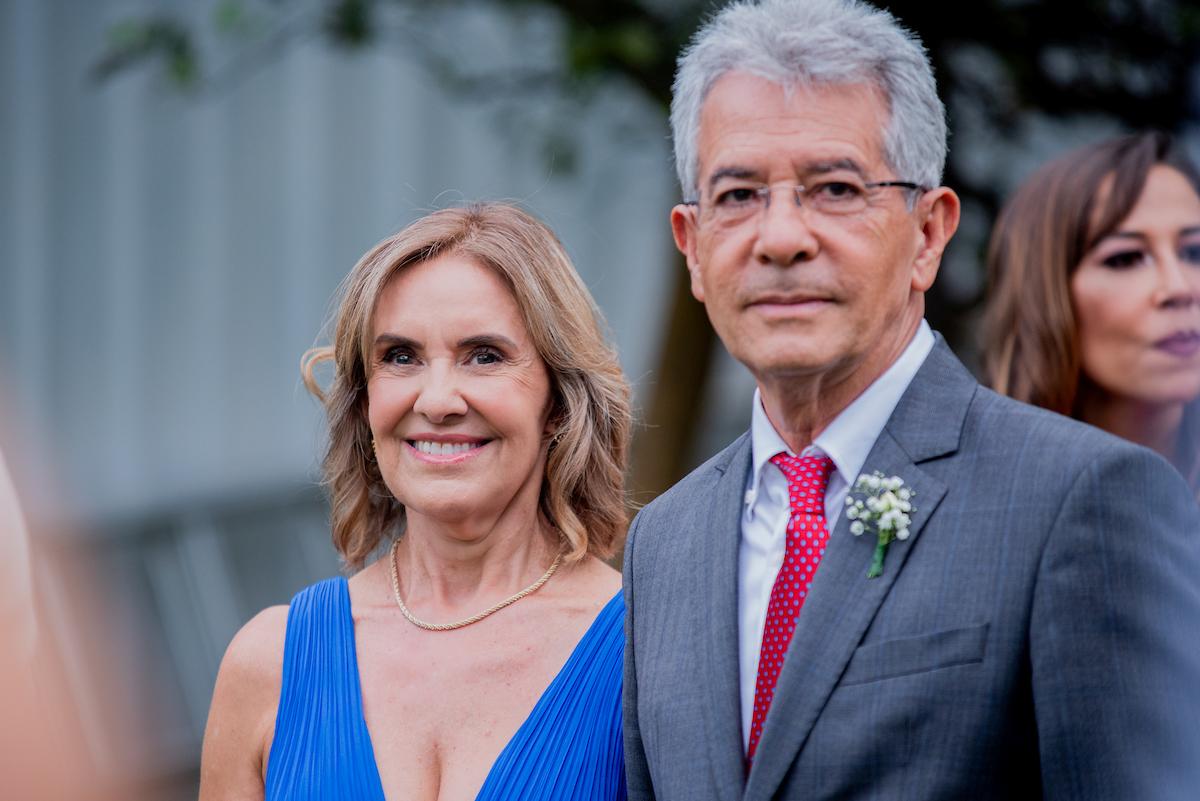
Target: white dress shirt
x=847, y=441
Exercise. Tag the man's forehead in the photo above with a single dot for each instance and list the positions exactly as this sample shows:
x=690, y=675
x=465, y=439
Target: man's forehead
x=751, y=122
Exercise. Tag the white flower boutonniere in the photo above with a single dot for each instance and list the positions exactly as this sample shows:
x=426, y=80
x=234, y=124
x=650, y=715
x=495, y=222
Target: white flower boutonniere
x=883, y=506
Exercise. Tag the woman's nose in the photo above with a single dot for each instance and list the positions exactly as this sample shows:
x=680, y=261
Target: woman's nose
x=1178, y=283
x=440, y=395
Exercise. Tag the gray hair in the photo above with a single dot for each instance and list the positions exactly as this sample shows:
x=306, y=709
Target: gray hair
x=807, y=42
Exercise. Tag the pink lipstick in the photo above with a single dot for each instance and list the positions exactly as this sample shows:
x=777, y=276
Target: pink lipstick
x=1183, y=344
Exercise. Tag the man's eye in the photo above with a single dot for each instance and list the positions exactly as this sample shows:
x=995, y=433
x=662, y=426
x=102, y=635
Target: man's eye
x=837, y=190
x=1190, y=253
x=1124, y=259
x=737, y=196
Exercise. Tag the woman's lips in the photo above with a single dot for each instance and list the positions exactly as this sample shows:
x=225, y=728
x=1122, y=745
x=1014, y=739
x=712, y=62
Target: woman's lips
x=1183, y=344
x=445, y=450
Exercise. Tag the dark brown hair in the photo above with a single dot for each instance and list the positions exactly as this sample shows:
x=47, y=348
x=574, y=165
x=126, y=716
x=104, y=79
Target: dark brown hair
x=1031, y=348
x=583, y=493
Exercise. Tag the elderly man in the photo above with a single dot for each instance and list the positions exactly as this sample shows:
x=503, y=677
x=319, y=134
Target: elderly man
x=1019, y=616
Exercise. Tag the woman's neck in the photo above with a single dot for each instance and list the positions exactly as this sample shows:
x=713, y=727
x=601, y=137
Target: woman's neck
x=445, y=567
x=1154, y=425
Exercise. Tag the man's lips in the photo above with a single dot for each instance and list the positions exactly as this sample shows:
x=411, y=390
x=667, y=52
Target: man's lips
x=785, y=305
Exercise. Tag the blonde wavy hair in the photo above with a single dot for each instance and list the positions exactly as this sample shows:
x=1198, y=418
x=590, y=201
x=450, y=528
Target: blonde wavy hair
x=583, y=491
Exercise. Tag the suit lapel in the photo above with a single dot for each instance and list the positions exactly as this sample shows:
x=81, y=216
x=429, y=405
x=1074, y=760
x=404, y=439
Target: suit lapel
x=718, y=591
x=840, y=607
x=842, y=602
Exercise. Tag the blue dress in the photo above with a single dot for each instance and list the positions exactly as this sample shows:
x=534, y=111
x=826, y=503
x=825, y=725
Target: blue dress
x=568, y=748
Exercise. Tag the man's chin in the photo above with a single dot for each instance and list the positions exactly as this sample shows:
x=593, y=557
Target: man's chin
x=791, y=364
x=792, y=349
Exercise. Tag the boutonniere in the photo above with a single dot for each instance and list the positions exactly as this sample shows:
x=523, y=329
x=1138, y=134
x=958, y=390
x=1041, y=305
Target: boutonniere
x=882, y=506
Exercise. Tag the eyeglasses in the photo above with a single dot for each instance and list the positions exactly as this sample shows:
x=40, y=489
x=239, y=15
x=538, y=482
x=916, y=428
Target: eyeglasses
x=835, y=198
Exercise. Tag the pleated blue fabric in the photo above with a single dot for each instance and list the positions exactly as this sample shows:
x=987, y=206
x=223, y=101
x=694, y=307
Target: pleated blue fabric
x=322, y=749
x=568, y=749
x=570, y=746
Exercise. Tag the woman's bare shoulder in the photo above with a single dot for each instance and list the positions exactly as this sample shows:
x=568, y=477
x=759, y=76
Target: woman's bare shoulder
x=595, y=580
x=241, y=719
x=255, y=655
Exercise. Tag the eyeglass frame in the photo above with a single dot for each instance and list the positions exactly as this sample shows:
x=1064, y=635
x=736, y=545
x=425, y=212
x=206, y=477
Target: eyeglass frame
x=764, y=191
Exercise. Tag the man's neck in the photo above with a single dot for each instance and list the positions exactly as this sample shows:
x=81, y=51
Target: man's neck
x=801, y=406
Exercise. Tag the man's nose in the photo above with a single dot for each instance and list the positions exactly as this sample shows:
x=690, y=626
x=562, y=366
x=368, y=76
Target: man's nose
x=785, y=235
x=440, y=394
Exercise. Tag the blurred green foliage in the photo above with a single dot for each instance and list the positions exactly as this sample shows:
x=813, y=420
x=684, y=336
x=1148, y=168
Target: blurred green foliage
x=137, y=40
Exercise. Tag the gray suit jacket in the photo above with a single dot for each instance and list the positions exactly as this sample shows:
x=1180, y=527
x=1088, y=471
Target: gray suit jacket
x=1037, y=636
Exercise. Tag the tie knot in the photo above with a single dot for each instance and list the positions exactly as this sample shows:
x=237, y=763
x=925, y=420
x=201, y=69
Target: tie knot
x=807, y=477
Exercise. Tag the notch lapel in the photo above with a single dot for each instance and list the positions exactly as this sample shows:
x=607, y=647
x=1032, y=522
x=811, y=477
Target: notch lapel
x=842, y=601
x=718, y=592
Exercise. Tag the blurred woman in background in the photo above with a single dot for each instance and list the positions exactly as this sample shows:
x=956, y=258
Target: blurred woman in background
x=1094, y=304
x=478, y=434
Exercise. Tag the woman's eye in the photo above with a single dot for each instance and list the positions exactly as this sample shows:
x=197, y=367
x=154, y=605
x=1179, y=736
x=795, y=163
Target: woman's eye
x=399, y=356
x=1190, y=253
x=486, y=356
x=1124, y=259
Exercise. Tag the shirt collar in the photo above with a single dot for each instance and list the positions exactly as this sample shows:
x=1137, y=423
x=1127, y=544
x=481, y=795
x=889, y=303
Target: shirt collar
x=849, y=438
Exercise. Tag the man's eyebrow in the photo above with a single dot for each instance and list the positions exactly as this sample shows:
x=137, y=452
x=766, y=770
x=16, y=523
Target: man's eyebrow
x=820, y=167
x=1193, y=229
x=493, y=340
x=811, y=168
x=743, y=173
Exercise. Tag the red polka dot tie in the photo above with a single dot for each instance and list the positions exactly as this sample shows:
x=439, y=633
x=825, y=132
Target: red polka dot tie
x=806, y=538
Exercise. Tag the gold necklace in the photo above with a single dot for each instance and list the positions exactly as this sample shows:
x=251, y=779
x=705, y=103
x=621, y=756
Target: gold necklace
x=512, y=599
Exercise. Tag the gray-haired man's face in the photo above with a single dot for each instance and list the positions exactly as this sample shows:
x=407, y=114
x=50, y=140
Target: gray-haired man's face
x=793, y=289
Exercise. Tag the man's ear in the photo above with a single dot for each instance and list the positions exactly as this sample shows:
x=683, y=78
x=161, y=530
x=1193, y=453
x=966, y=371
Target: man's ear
x=684, y=229
x=939, y=211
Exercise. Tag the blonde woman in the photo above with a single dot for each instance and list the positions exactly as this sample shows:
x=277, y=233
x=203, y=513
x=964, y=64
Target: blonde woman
x=478, y=434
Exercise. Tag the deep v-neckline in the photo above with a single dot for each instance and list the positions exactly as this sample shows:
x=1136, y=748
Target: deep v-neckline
x=547, y=693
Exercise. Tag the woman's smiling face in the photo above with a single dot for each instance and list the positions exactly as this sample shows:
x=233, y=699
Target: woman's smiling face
x=1136, y=296
x=458, y=396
